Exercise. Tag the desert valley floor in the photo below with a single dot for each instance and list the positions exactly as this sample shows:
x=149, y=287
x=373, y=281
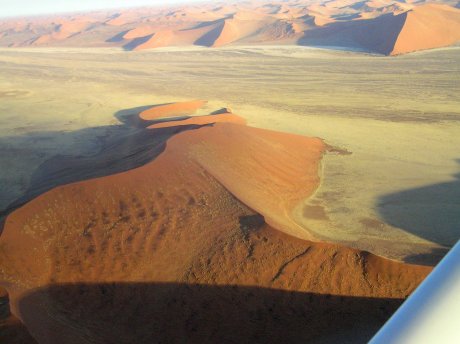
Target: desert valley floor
x=391, y=178
x=380, y=137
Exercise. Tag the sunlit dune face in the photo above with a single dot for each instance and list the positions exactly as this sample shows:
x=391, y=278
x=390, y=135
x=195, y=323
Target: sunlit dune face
x=189, y=228
x=171, y=110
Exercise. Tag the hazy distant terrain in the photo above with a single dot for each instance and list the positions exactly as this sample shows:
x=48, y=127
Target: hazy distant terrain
x=385, y=27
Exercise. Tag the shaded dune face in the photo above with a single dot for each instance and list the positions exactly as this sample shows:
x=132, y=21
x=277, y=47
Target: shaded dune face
x=373, y=35
x=195, y=246
x=156, y=40
x=423, y=27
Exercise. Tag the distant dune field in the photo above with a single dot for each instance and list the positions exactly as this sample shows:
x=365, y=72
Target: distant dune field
x=385, y=27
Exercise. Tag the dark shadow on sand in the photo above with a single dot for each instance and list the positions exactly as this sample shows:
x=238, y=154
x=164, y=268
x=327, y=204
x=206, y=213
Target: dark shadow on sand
x=118, y=37
x=133, y=44
x=376, y=35
x=120, y=148
x=189, y=313
x=431, y=213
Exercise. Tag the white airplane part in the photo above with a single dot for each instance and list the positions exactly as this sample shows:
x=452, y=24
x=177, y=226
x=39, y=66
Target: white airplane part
x=431, y=315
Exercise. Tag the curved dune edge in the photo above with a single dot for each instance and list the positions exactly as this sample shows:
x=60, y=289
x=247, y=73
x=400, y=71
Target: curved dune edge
x=186, y=226
x=155, y=40
x=227, y=117
x=427, y=27
x=172, y=110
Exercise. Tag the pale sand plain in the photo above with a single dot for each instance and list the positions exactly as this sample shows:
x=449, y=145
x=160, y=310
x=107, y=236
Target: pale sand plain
x=396, y=194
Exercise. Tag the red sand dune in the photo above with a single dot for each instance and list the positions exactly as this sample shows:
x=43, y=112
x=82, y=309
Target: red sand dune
x=157, y=40
x=378, y=26
x=176, y=251
x=428, y=26
x=201, y=120
x=62, y=31
x=120, y=19
x=226, y=33
x=140, y=31
x=423, y=27
x=172, y=110
x=221, y=33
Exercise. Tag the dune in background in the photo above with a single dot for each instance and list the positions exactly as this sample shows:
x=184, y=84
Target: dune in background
x=420, y=28
x=428, y=26
x=375, y=26
x=197, y=245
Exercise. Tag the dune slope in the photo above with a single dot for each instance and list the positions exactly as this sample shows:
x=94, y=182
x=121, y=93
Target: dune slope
x=180, y=249
x=373, y=35
x=171, y=110
x=427, y=27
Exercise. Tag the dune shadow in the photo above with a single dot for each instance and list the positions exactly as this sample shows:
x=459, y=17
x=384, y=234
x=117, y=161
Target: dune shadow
x=118, y=148
x=251, y=221
x=133, y=44
x=12, y=331
x=377, y=35
x=431, y=212
x=429, y=259
x=220, y=111
x=208, y=39
x=119, y=37
x=191, y=313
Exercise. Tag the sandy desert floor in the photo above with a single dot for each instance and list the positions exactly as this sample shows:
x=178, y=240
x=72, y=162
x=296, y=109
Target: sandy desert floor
x=390, y=183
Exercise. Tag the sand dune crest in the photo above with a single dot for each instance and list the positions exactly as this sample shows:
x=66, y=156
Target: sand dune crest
x=187, y=226
x=172, y=110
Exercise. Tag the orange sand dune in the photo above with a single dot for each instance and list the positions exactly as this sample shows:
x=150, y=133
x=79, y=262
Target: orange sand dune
x=284, y=29
x=171, y=252
x=428, y=26
x=226, y=33
x=137, y=32
x=201, y=120
x=377, y=26
x=322, y=20
x=62, y=31
x=221, y=33
x=289, y=160
x=396, y=32
x=204, y=35
x=121, y=19
x=172, y=110
x=157, y=40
